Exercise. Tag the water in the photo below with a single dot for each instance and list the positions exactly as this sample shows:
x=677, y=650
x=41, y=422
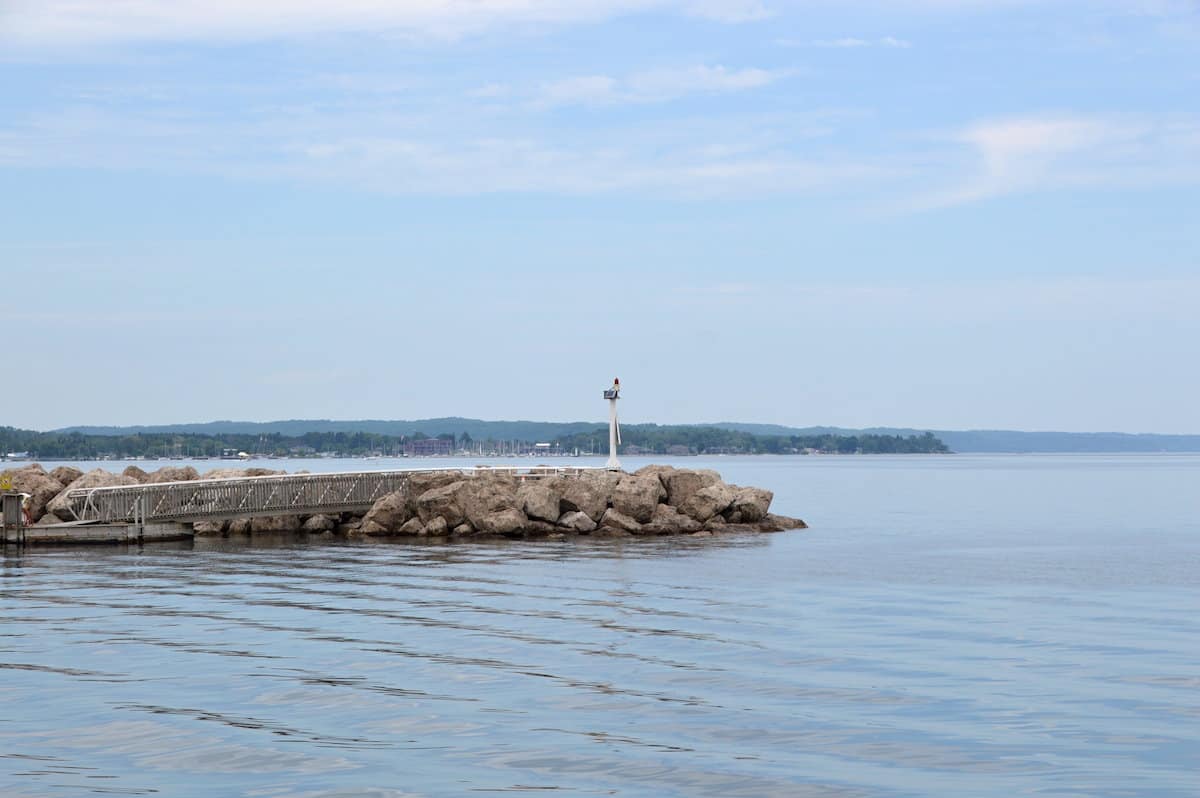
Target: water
x=967, y=625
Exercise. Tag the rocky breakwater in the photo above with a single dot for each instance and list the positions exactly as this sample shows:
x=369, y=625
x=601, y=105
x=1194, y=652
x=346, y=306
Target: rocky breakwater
x=656, y=500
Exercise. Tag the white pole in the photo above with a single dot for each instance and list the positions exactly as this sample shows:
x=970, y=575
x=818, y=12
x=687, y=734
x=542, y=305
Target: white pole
x=613, y=463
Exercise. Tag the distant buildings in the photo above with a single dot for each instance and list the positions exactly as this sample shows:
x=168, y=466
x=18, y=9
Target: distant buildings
x=429, y=447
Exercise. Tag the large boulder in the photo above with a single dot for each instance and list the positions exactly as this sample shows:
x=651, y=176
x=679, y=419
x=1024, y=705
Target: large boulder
x=489, y=495
x=539, y=501
x=172, y=474
x=412, y=526
x=508, y=521
x=442, y=502
x=614, y=519
x=708, y=501
x=637, y=496
x=588, y=493
x=436, y=528
x=423, y=481
x=659, y=472
x=263, y=472
x=97, y=478
x=577, y=521
x=388, y=514
x=683, y=483
x=207, y=528
x=669, y=521
x=275, y=523
x=41, y=487
x=750, y=505
x=136, y=473
x=66, y=474
x=319, y=523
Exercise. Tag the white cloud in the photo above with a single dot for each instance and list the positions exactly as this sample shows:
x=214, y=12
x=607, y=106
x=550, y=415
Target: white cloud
x=1037, y=153
x=850, y=43
x=66, y=22
x=653, y=86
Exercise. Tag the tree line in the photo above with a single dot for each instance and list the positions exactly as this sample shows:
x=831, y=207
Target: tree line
x=648, y=438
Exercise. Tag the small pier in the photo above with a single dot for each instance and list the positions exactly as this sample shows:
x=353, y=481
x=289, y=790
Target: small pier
x=167, y=510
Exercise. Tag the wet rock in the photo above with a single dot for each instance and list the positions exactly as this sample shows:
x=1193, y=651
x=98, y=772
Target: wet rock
x=464, y=529
x=350, y=528
x=535, y=528
x=436, y=528
x=780, y=523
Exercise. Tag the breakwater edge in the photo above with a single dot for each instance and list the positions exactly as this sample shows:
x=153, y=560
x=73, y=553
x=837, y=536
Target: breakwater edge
x=451, y=503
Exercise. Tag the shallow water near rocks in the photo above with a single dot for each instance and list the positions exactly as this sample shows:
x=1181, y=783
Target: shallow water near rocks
x=965, y=625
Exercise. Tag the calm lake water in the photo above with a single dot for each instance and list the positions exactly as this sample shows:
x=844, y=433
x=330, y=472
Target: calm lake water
x=950, y=626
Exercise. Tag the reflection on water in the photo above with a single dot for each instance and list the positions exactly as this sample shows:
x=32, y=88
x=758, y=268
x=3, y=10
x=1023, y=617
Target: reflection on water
x=900, y=648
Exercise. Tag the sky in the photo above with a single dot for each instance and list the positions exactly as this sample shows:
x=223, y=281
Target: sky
x=942, y=214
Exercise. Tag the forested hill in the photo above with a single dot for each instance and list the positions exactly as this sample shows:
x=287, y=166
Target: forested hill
x=1000, y=441
x=1005, y=441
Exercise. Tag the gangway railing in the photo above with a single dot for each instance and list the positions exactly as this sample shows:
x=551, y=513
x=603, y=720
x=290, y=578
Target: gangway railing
x=275, y=494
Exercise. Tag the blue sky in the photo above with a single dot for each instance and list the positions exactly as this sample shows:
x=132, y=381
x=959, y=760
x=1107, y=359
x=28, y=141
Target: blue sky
x=929, y=213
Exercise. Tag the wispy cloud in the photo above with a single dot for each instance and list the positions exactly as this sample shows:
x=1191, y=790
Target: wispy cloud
x=654, y=85
x=59, y=22
x=1039, y=153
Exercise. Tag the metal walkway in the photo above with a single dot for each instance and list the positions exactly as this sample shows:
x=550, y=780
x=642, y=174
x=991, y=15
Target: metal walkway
x=246, y=497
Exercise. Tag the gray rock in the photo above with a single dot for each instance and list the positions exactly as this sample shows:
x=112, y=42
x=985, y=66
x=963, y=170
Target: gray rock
x=172, y=474
x=436, y=528
x=387, y=514
x=441, y=502
x=577, y=521
x=539, y=501
x=780, y=523
x=535, y=528
x=97, y=478
x=318, y=523
x=637, y=496
x=464, y=529
x=659, y=472
x=708, y=501
x=614, y=519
